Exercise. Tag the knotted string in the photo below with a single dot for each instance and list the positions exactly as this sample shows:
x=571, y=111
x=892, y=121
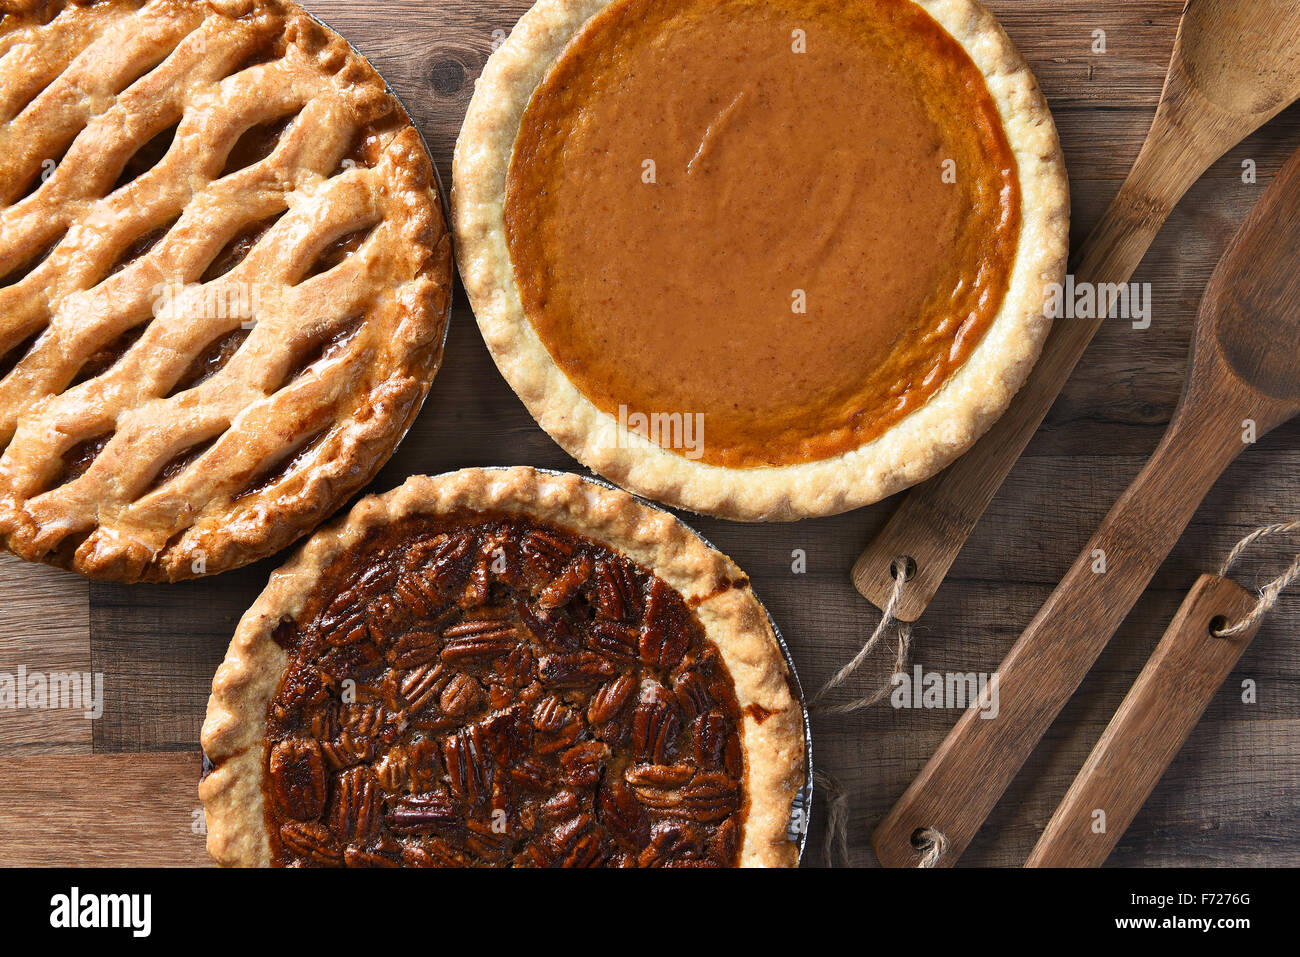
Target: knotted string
x=1270, y=593
x=931, y=842
x=837, y=819
x=932, y=845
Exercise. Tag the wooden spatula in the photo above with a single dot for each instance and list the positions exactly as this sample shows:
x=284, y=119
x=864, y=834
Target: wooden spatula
x=1157, y=716
x=1244, y=381
x=1236, y=65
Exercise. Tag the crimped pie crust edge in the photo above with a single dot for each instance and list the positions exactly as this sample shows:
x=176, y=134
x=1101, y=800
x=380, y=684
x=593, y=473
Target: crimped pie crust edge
x=268, y=520
x=233, y=735
x=913, y=450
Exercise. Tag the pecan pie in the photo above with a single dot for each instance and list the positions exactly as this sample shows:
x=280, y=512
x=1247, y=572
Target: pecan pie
x=224, y=281
x=763, y=259
x=504, y=668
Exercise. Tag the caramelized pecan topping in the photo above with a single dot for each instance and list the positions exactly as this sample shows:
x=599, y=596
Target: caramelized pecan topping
x=498, y=692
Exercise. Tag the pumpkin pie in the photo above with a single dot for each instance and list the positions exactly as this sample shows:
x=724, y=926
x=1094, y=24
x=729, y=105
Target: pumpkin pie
x=764, y=259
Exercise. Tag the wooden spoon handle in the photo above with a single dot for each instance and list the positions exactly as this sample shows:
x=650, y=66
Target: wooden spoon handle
x=935, y=519
x=964, y=779
x=1157, y=715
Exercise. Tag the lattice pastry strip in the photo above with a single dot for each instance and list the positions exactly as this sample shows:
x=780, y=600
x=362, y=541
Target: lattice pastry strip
x=298, y=316
x=203, y=141
x=92, y=319
x=189, y=247
x=227, y=341
x=86, y=54
x=106, y=126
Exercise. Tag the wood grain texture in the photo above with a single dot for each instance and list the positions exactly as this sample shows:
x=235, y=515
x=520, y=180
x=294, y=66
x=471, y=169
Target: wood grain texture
x=1235, y=66
x=46, y=628
x=1158, y=714
x=101, y=811
x=1232, y=794
x=1244, y=369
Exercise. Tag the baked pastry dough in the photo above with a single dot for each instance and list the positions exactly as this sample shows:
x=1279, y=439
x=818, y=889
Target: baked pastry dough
x=822, y=234
x=224, y=281
x=504, y=667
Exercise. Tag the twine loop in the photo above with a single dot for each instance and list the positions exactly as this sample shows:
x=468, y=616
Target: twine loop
x=889, y=623
x=1270, y=593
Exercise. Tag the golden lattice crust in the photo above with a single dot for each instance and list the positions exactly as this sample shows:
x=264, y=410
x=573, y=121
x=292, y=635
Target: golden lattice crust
x=201, y=363
x=234, y=733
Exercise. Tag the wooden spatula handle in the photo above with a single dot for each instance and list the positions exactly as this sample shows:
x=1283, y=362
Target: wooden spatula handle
x=964, y=779
x=935, y=519
x=1159, y=712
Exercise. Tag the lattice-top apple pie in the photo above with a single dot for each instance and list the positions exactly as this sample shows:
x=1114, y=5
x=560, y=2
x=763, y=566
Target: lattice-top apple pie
x=224, y=281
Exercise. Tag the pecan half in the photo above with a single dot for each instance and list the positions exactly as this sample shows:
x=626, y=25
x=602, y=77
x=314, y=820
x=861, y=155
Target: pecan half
x=545, y=551
x=432, y=852
x=415, y=648
x=346, y=750
x=623, y=814
x=468, y=770
x=356, y=804
x=612, y=638
x=508, y=734
x=574, y=671
x=422, y=813
x=612, y=697
x=584, y=763
x=659, y=776
x=465, y=651
x=553, y=630
x=312, y=842
x=692, y=693
x=441, y=559
x=664, y=639
x=297, y=772
x=708, y=798
x=417, y=597
x=710, y=739
x=616, y=590
x=460, y=695
x=421, y=686
x=354, y=856
x=566, y=584
x=654, y=726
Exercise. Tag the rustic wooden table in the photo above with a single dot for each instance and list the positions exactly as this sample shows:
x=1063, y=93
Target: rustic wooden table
x=121, y=789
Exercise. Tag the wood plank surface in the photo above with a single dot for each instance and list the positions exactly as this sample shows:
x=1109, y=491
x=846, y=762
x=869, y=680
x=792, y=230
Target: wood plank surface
x=102, y=811
x=46, y=628
x=1231, y=796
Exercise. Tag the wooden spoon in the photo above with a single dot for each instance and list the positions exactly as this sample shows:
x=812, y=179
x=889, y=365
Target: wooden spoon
x=1244, y=381
x=1236, y=65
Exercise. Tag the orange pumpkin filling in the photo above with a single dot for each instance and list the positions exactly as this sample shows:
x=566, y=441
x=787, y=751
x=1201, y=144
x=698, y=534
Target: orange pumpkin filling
x=796, y=218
